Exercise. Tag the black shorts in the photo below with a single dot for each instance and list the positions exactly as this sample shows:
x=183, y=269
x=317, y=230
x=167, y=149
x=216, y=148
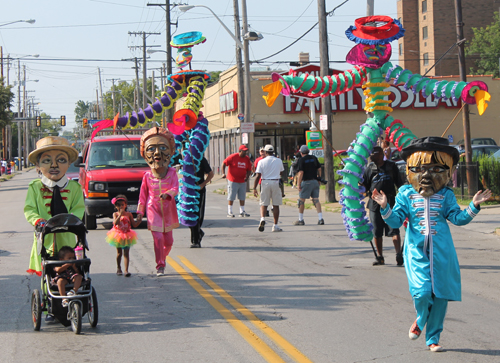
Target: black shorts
x=379, y=226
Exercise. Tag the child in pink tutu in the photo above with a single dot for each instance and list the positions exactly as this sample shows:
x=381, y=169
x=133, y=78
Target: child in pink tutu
x=121, y=236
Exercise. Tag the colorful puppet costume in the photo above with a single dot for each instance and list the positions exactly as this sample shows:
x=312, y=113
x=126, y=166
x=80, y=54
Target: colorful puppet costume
x=431, y=262
x=121, y=236
x=37, y=206
x=161, y=213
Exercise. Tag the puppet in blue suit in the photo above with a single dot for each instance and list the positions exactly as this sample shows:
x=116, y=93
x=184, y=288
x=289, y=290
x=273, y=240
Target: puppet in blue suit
x=431, y=261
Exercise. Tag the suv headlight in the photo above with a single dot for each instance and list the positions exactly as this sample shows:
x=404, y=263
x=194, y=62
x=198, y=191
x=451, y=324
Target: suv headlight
x=97, y=186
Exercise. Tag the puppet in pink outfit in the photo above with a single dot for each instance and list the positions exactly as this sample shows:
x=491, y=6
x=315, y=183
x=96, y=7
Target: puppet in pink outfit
x=158, y=191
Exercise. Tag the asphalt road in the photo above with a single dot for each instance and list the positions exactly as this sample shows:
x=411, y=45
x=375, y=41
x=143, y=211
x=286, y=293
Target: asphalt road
x=307, y=294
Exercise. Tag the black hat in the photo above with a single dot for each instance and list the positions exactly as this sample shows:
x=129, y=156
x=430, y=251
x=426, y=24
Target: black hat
x=430, y=143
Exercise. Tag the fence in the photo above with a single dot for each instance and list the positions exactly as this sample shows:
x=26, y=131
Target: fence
x=459, y=179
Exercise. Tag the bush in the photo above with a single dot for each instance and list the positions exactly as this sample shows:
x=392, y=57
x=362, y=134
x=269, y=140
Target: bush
x=489, y=171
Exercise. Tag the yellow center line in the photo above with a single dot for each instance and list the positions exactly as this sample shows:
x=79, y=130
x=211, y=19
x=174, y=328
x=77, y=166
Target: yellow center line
x=289, y=349
x=260, y=346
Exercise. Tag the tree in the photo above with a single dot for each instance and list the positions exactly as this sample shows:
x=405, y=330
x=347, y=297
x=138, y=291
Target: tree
x=49, y=127
x=6, y=98
x=82, y=111
x=214, y=76
x=484, y=49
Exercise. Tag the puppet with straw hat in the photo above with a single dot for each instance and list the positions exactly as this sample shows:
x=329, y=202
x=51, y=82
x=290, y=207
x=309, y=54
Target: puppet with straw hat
x=430, y=258
x=53, y=193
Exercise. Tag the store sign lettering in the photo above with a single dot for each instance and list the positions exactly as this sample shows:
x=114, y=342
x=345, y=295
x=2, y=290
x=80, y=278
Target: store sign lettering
x=354, y=100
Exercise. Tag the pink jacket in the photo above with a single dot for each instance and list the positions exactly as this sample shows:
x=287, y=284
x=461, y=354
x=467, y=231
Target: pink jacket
x=161, y=214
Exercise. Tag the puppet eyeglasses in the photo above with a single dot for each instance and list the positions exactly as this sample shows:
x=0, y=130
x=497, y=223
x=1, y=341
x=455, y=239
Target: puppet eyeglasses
x=431, y=169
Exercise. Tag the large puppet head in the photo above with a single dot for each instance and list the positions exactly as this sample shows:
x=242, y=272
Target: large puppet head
x=157, y=147
x=430, y=162
x=372, y=34
x=52, y=156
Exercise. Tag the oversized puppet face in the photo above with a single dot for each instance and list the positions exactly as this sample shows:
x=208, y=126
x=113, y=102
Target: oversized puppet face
x=54, y=164
x=372, y=56
x=428, y=179
x=157, y=152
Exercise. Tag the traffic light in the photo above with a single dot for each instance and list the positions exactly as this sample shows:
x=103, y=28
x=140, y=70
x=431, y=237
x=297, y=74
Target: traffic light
x=38, y=121
x=85, y=123
x=63, y=120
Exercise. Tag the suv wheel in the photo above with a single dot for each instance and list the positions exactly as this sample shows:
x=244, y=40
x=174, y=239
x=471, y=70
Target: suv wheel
x=90, y=221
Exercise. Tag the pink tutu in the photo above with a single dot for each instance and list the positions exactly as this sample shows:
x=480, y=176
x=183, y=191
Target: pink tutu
x=117, y=238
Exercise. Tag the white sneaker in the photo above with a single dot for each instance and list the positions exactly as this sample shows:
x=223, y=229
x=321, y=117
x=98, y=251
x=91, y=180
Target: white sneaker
x=229, y=215
x=160, y=271
x=277, y=229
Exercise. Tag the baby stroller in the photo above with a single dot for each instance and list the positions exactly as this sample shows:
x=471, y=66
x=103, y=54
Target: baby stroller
x=48, y=298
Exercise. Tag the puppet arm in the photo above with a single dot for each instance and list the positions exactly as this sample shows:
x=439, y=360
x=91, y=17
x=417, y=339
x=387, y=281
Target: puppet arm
x=143, y=196
x=31, y=212
x=457, y=216
x=313, y=86
x=395, y=216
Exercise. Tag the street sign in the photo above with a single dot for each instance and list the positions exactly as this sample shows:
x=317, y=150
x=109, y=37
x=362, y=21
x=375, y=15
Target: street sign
x=450, y=138
x=323, y=122
x=247, y=127
x=244, y=138
x=241, y=117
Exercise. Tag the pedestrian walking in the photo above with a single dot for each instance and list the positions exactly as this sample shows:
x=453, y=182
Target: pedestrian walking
x=269, y=170
x=239, y=168
x=383, y=175
x=308, y=182
x=431, y=261
x=158, y=190
x=196, y=231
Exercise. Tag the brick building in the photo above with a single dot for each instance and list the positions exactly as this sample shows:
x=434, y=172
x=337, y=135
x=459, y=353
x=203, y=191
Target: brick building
x=433, y=21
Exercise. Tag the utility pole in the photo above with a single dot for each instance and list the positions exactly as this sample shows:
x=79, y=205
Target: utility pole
x=144, y=70
x=471, y=177
x=239, y=61
x=136, y=84
x=113, y=93
x=369, y=7
x=19, y=124
x=103, y=113
x=326, y=103
x=153, y=85
x=248, y=116
x=26, y=123
x=168, y=112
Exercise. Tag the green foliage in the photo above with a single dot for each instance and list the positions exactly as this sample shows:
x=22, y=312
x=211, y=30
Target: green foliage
x=484, y=48
x=6, y=97
x=82, y=110
x=49, y=127
x=489, y=171
x=214, y=76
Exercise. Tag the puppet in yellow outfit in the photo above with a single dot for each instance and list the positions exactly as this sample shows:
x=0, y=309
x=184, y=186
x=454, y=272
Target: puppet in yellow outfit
x=52, y=194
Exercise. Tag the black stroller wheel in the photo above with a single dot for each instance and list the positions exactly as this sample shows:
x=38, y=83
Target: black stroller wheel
x=93, y=313
x=36, y=309
x=75, y=317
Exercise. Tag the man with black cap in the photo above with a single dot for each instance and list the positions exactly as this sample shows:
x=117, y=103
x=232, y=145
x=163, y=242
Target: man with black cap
x=239, y=169
x=308, y=182
x=431, y=261
x=383, y=175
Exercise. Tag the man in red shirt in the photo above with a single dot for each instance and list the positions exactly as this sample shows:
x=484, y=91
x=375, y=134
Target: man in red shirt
x=262, y=153
x=239, y=168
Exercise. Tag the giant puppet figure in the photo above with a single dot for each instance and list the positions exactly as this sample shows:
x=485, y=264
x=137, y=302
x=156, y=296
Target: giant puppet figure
x=431, y=262
x=189, y=125
x=52, y=194
x=158, y=190
x=370, y=56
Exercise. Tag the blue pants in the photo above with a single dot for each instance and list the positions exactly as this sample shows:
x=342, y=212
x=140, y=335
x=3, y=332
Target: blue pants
x=431, y=312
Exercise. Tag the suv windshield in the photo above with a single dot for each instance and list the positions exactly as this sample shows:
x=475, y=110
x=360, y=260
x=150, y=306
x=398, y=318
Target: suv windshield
x=115, y=154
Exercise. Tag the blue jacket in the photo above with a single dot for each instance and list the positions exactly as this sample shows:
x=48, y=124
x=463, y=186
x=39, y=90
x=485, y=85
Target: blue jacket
x=431, y=261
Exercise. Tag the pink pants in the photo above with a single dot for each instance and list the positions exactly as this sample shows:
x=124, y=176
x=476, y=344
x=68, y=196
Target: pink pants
x=163, y=244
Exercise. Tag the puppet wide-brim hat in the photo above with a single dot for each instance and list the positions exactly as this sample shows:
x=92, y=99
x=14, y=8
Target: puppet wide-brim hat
x=430, y=143
x=53, y=143
x=377, y=29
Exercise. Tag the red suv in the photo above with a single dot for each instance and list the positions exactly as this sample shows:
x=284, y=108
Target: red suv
x=110, y=165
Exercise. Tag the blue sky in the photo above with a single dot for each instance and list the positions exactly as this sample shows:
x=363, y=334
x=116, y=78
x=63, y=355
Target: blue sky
x=95, y=32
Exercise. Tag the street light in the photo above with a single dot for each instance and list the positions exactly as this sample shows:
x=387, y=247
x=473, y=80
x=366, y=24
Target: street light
x=185, y=8
x=30, y=21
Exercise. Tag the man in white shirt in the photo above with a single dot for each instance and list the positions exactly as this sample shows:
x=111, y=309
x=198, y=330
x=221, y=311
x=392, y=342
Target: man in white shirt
x=269, y=169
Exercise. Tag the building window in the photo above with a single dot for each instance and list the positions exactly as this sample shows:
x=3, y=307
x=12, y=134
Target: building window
x=424, y=6
x=426, y=59
x=400, y=48
x=425, y=34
